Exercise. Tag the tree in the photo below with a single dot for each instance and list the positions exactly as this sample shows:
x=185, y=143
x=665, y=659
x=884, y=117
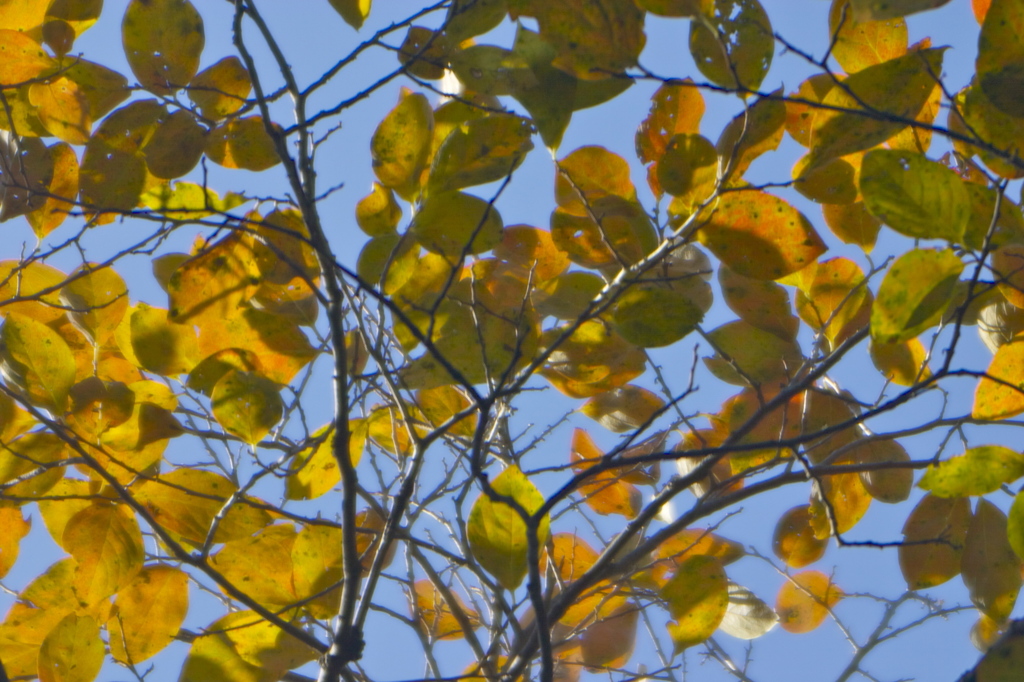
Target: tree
x=182, y=448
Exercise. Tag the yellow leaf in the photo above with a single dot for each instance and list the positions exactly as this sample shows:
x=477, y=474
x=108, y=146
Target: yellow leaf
x=162, y=346
x=980, y=470
x=898, y=87
x=754, y=356
x=1000, y=55
x=377, y=214
x=163, y=41
x=890, y=485
x=859, y=44
x=455, y=225
x=676, y=108
x=68, y=497
x=480, y=151
x=498, y=537
x=904, y=363
x=697, y=597
x=22, y=190
x=97, y=299
x=148, y=613
x=24, y=58
x=315, y=471
x=242, y=647
x=755, y=131
x=61, y=192
x=281, y=346
x=354, y=12
x=63, y=108
x=106, y=544
x=72, y=652
x=435, y=616
x=13, y=527
x=761, y=303
x=1000, y=393
x=185, y=501
x=221, y=89
x=317, y=567
x=401, y=143
x=113, y=174
x=243, y=143
x=37, y=362
x=623, y=409
x=247, y=405
x=914, y=195
x=261, y=565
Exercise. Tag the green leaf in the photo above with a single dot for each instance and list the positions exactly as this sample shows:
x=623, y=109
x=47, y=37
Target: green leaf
x=890, y=91
x=652, y=316
x=593, y=39
x=990, y=569
x=456, y=225
x=37, y=361
x=1000, y=62
x=734, y=44
x=756, y=130
x=176, y=145
x=697, y=597
x=689, y=162
x=934, y=537
x=401, y=143
x=914, y=294
x=163, y=41
x=746, y=354
x=914, y=195
x=497, y=534
x=480, y=151
x=978, y=471
x=864, y=10
x=247, y=405
x=1015, y=525
x=469, y=18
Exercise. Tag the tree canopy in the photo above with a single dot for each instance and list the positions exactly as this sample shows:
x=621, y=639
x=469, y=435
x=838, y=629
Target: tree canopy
x=529, y=450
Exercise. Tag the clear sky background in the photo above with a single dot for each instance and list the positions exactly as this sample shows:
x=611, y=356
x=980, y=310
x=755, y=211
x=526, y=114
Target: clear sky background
x=314, y=37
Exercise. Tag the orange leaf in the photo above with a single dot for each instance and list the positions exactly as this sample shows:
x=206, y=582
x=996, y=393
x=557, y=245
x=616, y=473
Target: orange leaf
x=805, y=600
